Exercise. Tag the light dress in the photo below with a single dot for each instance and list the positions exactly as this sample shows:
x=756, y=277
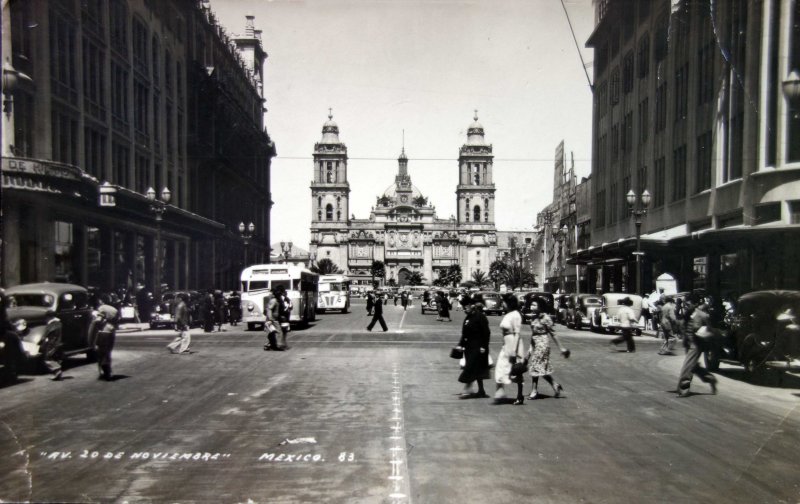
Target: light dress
x=539, y=353
x=509, y=326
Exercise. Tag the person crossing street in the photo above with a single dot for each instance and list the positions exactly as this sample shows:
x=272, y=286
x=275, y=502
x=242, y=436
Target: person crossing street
x=377, y=316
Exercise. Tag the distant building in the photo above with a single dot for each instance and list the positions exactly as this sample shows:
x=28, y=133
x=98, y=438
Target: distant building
x=126, y=95
x=402, y=229
x=690, y=105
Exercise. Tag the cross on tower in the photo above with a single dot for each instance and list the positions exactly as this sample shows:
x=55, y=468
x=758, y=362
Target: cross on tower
x=476, y=114
x=330, y=113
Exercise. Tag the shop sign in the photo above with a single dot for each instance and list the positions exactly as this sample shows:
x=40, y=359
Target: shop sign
x=42, y=168
x=23, y=182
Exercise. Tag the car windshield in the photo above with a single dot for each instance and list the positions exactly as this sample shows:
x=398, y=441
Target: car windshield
x=593, y=301
x=38, y=300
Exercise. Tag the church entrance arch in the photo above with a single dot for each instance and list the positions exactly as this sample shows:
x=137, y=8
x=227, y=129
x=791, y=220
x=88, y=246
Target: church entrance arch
x=402, y=276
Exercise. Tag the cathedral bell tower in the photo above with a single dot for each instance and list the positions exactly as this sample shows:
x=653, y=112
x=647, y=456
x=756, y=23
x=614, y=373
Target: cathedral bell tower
x=475, y=191
x=330, y=193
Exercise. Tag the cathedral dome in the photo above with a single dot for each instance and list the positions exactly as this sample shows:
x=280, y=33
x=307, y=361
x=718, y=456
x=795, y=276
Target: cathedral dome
x=391, y=191
x=475, y=132
x=330, y=131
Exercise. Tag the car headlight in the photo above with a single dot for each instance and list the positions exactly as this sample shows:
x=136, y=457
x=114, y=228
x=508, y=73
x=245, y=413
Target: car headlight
x=250, y=306
x=20, y=325
x=2, y=345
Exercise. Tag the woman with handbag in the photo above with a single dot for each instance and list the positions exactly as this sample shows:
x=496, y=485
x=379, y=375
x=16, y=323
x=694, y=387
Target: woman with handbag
x=512, y=353
x=539, y=352
x=475, y=343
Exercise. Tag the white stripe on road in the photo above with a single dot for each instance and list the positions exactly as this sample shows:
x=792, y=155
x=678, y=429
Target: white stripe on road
x=399, y=474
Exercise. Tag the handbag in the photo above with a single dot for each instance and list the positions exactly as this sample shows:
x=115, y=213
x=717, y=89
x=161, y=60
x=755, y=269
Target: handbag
x=456, y=352
x=518, y=368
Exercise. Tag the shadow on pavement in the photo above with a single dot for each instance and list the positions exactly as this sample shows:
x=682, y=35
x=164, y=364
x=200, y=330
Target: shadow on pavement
x=763, y=377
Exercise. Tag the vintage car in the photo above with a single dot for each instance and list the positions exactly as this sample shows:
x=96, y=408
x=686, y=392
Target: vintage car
x=763, y=333
x=51, y=318
x=581, y=308
x=428, y=302
x=11, y=355
x=544, y=300
x=492, y=302
x=560, y=305
x=164, y=312
x=606, y=318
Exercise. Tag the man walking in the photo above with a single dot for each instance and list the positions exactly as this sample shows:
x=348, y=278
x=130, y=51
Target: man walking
x=370, y=303
x=378, y=315
x=106, y=324
x=627, y=320
x=669, y=325
x=699, y=337
x=181, y=342
x=273, y=314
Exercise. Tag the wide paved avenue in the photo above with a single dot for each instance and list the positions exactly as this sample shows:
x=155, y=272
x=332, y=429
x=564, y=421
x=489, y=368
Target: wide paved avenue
x=349, y=416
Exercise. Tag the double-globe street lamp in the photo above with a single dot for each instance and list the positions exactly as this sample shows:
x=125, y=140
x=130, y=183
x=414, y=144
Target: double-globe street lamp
x=158, y=207
x=560, y=235
x=637, y=205
x=247, y=233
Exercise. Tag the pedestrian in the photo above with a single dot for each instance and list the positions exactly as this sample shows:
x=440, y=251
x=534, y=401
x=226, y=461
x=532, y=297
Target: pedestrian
x=669, y=325
x=370, y=303
x=474, y=341
x=272, y=313
x=539, y=352
x=378, y=315
x=219, y=309
x=701, y=338
x=284, y=314
x=512, y=351
x=234, y=308
x=646, y=317
x=208, y=311
x=627, y=321
x=404, y=300
x=181, y=342
x=443, y=307
x=105, y=322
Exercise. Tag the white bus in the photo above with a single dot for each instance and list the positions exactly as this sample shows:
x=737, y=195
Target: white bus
x=334, y=293
x=259, y=279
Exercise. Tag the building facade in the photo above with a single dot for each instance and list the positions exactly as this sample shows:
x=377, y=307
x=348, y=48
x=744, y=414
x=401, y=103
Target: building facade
x=402, y=229
x=689, y=104
x=111, y=98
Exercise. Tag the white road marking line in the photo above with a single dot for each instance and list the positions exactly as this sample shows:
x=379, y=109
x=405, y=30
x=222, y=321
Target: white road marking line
x=400, y=490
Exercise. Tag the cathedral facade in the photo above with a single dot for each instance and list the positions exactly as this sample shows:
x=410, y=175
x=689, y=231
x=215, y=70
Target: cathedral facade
x=402, y=229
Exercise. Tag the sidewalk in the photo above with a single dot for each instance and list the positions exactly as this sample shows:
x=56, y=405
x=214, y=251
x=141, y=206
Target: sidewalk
x=133, y=327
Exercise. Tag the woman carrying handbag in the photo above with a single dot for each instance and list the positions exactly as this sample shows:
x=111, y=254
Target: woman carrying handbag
x=539, y=352
x=511, y=353
x=475, y=343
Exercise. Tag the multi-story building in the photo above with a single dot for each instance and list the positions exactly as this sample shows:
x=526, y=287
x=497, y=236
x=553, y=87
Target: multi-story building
x=403, y=230
x=123, y=96
x=689, y=104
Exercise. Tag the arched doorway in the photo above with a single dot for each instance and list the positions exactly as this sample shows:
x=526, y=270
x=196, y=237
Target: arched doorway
x=402, y=276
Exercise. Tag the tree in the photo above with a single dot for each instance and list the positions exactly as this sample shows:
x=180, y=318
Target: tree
x=454, y=274
x=377, y=270
x=497, y=272
x=480, y=278
x=518, y=276
x=391, y=282
x=444, y=278
x=326, y=267
x=416, y=278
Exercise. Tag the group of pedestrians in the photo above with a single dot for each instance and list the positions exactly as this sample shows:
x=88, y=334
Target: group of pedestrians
x=513, y=360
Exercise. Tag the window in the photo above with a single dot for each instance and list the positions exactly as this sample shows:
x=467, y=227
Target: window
x=643, y=56
x=140, y=37
x=120, y=164
x=613, y=204
x=601, y=99
x=62, y=56
x=141, y=118
x=627, y=73
x=319, y=201
x=641, y=178
x=703, y=157
x=143, y=180
x=329, y=212
x=661, y=107
x=681, y=92
x=24, y=125
x=659, y=182
x=615, y=85
x=476, y=213
x=119, y=94
x=661, y=40
x=94, y=152
x=63, y=242
x=155, y=60
x=118, y=21
x=644, y=120
x=64, y=129
x=772, y=85
x=679, y=173
x=768, y=212
x=627, y=133
x=94, y=79
x=614, y=143
x=157, y=121
x=600, y=209
x=168, y=72
x=794, y=212
x=485, y=216
x=705, y=62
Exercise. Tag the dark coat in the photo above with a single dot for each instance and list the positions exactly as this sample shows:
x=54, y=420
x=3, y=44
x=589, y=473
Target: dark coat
x=378, y=308
x=474, y=336
x=443, y=304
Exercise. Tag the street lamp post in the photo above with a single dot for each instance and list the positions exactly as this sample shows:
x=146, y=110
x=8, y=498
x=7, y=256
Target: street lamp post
x=547, y=221
x=637, y=205
x=247, y=233
x=560, y=235
x=158, y=207
x=286, y=249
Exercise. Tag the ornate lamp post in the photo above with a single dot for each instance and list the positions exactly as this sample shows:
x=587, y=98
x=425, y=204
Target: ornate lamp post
x=286, y=249
x=547, y=221
x=560, y=235
x=247, y=233
x=637, y=205
x=158, y=207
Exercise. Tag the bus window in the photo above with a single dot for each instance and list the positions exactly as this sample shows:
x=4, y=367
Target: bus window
x=258, y=285
x=286, y=283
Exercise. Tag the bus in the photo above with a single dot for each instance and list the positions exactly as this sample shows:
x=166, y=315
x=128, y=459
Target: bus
x=301, y=287
x=334, y=293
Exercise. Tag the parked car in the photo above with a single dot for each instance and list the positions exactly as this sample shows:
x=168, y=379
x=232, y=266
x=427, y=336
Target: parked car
x=581, y=308
x=51, y=314
x=560, y=305
x=544, y=300
x=606, y=318
x=492, y=302
x=764, y=333
x=428, y=302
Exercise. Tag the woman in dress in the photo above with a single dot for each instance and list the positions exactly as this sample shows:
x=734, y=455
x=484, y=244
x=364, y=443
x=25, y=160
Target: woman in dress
x=475, y=342
x=539, y=352
x=513, y=350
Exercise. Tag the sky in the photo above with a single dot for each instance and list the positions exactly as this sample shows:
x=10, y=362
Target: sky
x=415, y=71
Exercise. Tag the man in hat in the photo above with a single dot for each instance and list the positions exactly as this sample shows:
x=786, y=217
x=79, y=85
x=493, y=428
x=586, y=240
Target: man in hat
x=627, y=322
x=700, y=337
x=106, y=320
x=181, y=343
x=668, y=320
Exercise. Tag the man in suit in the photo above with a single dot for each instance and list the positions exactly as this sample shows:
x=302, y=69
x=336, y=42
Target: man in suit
x=377, y=314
